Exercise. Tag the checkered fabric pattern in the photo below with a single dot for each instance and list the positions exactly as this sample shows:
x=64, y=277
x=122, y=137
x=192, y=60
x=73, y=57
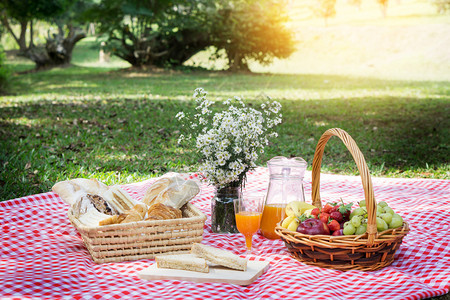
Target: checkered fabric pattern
x=43, y=256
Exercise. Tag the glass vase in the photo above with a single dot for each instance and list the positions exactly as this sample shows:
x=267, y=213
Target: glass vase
x=223, y=219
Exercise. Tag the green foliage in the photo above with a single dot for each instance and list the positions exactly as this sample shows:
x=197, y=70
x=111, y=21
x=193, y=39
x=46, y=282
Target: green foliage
x=153, y=32
x=170, y=32
x=26, y=10
x=252, y=30
x=4, y=71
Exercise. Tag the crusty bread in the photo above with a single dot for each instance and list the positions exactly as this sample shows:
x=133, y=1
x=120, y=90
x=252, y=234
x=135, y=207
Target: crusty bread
x=171, y=190
x=151, y=195
x=159, y=211
x=177, y=195
x=187, y=262
x=219, y=256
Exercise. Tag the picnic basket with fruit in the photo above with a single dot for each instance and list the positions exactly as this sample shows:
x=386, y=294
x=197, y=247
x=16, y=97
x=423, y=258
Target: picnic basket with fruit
x=334, y=236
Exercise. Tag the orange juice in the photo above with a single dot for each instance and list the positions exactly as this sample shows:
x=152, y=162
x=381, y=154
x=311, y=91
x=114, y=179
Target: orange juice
x=247, y=223
x=272, y=214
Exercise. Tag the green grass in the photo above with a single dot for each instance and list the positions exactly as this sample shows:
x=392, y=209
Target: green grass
x=117, y=125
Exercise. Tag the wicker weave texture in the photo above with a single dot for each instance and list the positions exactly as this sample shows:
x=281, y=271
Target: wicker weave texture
x=368, y=252
x=144, y=239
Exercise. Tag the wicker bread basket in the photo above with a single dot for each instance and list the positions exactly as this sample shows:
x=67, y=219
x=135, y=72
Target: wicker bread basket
x=367, y=252
x=144, y=239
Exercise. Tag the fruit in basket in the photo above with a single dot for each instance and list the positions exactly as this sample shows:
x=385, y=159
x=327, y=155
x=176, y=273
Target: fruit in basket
x=361, y=229
x=386, y=217
x=308, y=212
x=327, y=208
x=381, y=225
x=335, y=215
x=334, y=226
x=287, y=221
x=349, y=229
x=338, y=232
x=324, y=217
x=315, y=212
x=293, y=225
x=397, y=221
x=356, y=221
x=313, y=226
x=388, y=210
x=297, y=208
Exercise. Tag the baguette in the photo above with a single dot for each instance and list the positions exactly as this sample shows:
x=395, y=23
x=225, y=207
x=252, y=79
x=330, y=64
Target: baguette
x=219, y=256
x=187, y=262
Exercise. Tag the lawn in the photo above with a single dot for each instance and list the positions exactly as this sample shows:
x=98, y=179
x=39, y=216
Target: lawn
x=116, y=124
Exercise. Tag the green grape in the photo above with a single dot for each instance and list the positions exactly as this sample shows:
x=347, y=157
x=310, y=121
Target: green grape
x=386, y=217
x=359, y=211
x=388, y=210
x=361, y=229
x=396, y=222
x=380, y=209
x=349, y=229
x=362, y=203
x=381, y=225
x=356, y=221
x=382, y=204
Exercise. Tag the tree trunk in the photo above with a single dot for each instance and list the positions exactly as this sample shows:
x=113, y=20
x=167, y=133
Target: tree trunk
x=31, y=35
x=58, y=49
x=237, y=63
x=21, y=41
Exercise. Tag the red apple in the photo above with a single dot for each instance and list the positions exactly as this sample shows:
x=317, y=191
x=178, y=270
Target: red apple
x=338, y=232
x=313, y=226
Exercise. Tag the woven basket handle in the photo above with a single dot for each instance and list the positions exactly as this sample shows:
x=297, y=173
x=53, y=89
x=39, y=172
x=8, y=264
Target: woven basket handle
x=363, y=171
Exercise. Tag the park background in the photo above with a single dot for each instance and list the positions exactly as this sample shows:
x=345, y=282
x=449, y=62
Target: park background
x=382, y=78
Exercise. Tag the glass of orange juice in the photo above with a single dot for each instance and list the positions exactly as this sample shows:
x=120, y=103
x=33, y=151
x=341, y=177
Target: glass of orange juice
x=248, y=210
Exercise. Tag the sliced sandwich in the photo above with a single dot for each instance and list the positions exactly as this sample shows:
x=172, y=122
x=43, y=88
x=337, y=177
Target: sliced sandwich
x=219, y=256
x=187, y=262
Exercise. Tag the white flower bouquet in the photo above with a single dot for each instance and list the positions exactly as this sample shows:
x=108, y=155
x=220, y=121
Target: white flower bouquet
x=229, y=141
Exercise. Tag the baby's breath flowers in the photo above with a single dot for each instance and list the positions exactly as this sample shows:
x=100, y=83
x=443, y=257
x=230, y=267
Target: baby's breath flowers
x=229, y=141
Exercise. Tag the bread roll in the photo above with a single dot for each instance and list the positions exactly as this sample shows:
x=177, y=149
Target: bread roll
x=159, y=211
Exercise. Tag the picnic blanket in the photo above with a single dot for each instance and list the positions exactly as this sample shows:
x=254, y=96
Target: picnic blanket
x=43, y=256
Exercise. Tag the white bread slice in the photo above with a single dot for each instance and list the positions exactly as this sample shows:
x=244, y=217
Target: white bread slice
x=219, y=256
x=187, y=262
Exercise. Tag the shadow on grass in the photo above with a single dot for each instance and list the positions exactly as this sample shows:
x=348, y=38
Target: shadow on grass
x=125, y=140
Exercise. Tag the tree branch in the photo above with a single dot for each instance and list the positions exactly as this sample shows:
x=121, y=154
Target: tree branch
x=6, y=24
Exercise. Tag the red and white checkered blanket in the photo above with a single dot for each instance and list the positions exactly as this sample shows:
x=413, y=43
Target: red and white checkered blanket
x=43, y=256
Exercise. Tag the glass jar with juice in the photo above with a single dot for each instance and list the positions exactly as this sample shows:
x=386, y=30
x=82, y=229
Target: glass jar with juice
x=285, y=185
